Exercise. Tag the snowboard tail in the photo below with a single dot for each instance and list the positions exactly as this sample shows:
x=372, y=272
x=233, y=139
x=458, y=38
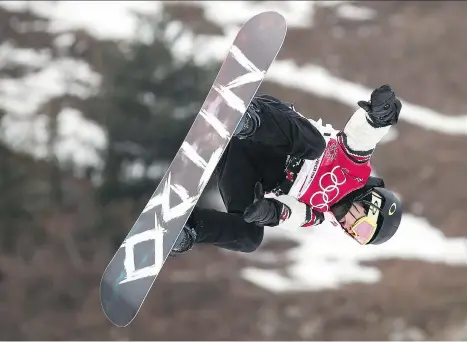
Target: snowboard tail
x=132, y=271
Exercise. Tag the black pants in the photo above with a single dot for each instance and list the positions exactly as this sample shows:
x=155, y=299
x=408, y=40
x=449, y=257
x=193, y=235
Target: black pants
x=260, y=158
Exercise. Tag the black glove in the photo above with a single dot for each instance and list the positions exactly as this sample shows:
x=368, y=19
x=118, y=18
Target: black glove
x=384, y=107
x=263, y=211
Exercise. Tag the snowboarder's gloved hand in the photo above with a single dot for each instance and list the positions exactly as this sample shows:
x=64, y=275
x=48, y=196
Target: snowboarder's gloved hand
x=284, y=212
x=384, y=107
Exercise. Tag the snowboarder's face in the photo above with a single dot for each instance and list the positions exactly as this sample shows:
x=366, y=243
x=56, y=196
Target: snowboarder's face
x=356, y=211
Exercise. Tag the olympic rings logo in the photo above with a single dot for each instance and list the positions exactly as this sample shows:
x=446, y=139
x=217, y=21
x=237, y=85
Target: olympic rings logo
x=328, y=193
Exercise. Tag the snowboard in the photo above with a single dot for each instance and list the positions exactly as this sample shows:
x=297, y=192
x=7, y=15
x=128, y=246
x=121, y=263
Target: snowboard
x=132, y=271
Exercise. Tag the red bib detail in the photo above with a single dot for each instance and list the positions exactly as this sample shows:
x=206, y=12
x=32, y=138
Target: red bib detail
x=335, y=176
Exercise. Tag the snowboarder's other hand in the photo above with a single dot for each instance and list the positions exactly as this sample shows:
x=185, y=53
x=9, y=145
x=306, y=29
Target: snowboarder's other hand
x=263, y=211
x=284, y=212
x=383, y=108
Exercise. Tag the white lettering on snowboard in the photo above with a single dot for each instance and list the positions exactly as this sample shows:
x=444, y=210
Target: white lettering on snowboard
x=156, y=234
x=168, y=213
x=254, y=75
x=215, y=123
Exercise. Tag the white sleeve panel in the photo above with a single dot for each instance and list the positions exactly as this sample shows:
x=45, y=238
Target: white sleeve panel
x=361, y=136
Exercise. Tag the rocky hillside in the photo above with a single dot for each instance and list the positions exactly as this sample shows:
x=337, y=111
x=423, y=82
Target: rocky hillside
x=86, y=135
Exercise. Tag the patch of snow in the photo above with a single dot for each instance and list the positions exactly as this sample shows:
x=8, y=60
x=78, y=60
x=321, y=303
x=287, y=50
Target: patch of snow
x=22, y=127
x=320, y=82
x=228, y=13
x=116, y=23
x=64, y=41
x=54, y=78
x=79, y=139
x=157, y=170
x=325, y=258
x=135, y=170
x=25, y=134
x=456, y=333
x=9, y=54
x=299, y=14
x=352, y=12
x=402, y=332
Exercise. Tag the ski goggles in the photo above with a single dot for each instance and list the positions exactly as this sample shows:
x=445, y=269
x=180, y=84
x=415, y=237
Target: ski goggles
x=363, y=230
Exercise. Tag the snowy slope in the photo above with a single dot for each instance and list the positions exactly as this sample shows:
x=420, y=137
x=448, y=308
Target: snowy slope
x=316, y=263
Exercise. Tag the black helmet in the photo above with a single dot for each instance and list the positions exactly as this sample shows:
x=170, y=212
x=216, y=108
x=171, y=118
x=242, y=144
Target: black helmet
x=386, y=209
x=380, y=204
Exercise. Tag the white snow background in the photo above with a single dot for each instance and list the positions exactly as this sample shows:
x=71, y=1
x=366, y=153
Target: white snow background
x=324, y=257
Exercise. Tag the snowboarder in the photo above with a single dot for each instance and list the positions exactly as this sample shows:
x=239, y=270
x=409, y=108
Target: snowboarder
x=283, y=170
